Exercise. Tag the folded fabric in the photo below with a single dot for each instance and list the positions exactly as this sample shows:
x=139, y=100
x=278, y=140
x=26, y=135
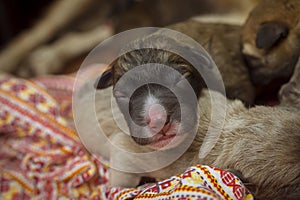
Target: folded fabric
x=41, y=156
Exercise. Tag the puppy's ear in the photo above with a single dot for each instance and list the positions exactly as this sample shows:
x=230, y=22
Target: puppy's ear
x=270, y=34
x=105, y=80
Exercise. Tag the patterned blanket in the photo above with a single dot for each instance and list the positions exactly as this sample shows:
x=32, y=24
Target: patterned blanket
x=41, y=156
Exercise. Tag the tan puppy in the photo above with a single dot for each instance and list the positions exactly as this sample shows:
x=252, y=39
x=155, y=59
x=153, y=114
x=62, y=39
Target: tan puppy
x=271, y=39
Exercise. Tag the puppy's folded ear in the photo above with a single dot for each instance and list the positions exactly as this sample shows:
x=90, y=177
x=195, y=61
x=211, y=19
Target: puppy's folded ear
x=270, y=34
x=105, y=80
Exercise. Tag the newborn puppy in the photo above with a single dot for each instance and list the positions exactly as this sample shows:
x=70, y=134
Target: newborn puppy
x=155, y=114
x=262, y=143
x=271, y=40
x=157, y=118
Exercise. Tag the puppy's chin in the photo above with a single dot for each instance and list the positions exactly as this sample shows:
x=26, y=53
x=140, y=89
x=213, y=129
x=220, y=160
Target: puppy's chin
x=173, y=137
x=168, y=142
x=264, y=77
x=264, y=67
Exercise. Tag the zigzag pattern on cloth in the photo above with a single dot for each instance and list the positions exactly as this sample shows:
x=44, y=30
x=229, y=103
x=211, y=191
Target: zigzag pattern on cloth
x=41, y=156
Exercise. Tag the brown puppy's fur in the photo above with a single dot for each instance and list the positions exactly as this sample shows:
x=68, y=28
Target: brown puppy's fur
x=262, y=143
x=271, y=39
x=221, y=42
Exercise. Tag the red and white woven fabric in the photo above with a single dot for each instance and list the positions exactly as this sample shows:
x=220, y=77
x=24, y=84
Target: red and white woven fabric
x=41, y=156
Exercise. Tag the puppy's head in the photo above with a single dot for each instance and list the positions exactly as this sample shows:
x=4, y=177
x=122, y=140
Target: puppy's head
x=270, y=40
x=153, y=88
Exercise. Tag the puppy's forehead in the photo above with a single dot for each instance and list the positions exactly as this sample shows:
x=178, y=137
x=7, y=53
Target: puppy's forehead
x=151, y=73
x=140, y=57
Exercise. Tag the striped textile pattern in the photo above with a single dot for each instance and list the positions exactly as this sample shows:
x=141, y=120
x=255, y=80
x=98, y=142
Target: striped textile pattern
x=41, y=156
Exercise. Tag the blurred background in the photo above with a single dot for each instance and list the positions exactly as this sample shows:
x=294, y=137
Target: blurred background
x=35, y=33
x=17, y=15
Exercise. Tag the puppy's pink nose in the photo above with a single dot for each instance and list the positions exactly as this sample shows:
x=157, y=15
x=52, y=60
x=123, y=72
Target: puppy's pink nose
x=157, y=117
